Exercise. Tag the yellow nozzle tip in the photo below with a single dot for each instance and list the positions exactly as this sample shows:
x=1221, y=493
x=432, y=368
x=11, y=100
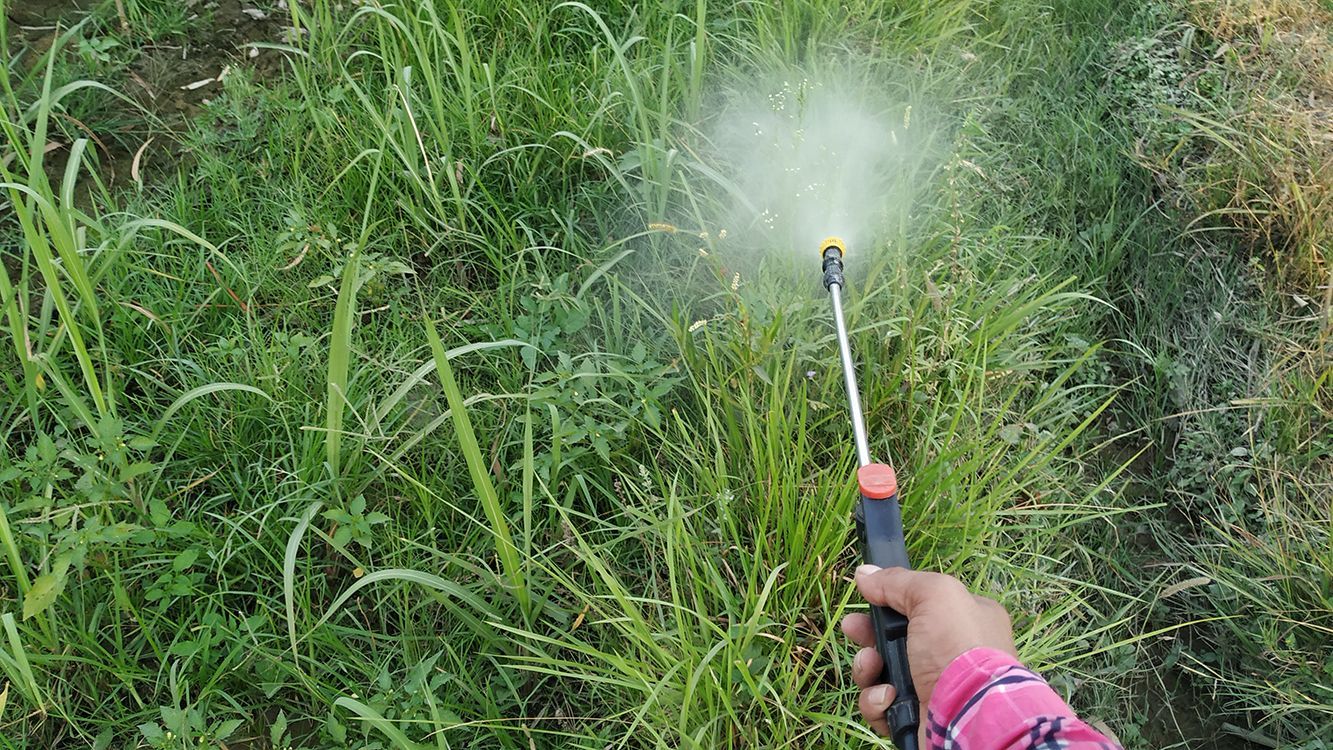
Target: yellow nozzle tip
x=832, y=242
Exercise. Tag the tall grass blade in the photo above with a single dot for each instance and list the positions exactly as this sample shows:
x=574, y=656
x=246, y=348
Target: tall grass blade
x=199, y=392
x=17, y=661
x=340, y=352
x=377, y=720
x=510, y=562
x=289, y=571
x=429, y=580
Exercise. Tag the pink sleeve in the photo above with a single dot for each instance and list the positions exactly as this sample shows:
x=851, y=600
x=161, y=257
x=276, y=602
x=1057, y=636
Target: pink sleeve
x=987, y=700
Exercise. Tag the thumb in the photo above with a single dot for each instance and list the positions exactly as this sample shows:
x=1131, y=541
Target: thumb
x=905, y=591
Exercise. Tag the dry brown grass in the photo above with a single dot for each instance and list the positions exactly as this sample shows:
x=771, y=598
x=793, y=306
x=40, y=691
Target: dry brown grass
x=1270, y=173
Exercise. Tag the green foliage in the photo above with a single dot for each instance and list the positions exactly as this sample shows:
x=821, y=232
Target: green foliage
x=390, y=426
x=354, y=524
x=97, y=52
x=184, y=728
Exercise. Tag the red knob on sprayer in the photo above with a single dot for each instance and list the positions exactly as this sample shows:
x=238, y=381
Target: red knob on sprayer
x=878, y=481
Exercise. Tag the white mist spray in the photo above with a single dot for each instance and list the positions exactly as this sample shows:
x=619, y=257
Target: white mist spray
x=812, y=159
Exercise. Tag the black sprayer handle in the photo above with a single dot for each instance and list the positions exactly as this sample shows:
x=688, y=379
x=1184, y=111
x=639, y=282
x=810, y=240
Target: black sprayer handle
x=879, y=523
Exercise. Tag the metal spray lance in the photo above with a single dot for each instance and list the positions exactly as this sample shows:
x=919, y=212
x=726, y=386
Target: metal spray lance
x=879, y=522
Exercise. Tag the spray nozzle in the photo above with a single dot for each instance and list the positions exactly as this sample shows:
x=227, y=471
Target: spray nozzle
x=832, y=243
x=831, y=250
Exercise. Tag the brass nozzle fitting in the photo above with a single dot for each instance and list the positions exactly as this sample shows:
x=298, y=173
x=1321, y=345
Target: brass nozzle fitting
x=832, y=243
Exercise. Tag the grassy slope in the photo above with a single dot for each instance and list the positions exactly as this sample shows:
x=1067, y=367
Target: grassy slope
x=1238, y=138
x=638, y=533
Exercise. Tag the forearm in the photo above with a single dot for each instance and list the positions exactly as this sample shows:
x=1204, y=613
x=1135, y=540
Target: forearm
x=987, y=700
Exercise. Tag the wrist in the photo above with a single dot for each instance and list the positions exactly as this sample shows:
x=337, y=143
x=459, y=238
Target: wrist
x=966, y=674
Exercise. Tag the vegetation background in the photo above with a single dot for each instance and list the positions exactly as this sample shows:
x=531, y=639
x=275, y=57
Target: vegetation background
x=381, y=375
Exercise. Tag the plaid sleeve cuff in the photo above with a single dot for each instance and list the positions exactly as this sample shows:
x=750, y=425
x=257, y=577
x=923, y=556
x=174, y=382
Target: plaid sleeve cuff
x=986, y=700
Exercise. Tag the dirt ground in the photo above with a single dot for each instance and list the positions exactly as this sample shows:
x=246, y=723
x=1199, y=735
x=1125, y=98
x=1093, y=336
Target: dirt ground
x=168, y=77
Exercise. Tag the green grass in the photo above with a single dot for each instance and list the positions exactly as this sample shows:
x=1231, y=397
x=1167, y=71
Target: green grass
x=1244, y=445
x=384, y=418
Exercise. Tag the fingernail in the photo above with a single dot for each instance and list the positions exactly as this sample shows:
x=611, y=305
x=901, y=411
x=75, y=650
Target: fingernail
x=865, y=570
x=882, y=696
x=859, y=660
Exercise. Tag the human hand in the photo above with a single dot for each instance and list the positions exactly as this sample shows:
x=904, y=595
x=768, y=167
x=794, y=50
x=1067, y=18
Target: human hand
x=944, y=620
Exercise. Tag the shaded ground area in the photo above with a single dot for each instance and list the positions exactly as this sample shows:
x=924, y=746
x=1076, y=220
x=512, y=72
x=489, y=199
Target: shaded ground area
x=167, y=67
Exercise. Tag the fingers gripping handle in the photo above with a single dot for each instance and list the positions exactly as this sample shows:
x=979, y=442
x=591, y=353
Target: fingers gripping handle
x=879, y=523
